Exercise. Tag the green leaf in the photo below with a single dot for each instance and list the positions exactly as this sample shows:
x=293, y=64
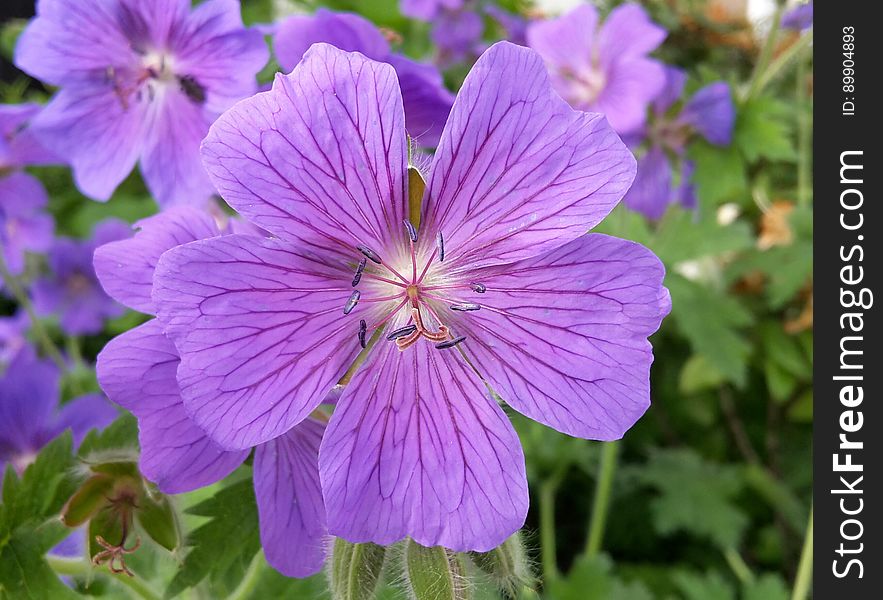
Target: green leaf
x=712, y=322
x=222, y=548
x=699, y=374
x=710, y=586
x=719, y=175
x=769, y=586
x=787, y=269
x=593, y=579
x=23, y=571
x=116, y=443
x=682, y=236
x=695, y=496
x=762, y=130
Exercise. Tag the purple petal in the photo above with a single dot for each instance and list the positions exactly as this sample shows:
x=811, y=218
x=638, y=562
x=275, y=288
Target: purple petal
x=566, y=42
x=712, y=113
x=427, y=102
x=18, y=145
x=82, y=414
x=628, y=33
x=563, y=337
x=170, y=162
x=71, y=40
x=290, y=506
x=416, y=447
x=321, y=158
x=671, y=92
x=518, y=172
x=137, y=371
x=100, y=138
x=686, y=193
x=260, y=331
x=651, y=192
x=427, y=9
x=631, y=86
x=24, y=226
x=125, y=268
x=29, y=394
x=800, y=17
x=346, y=31
x=457, y=34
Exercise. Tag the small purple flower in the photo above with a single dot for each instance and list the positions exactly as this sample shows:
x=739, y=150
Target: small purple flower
x=799, y=18
x=426, y=10
x=137, y=371
x=513, y=24
x=709, y=113
x=499, y=269
x=603, y=68
x=24, y=226
x=13, y=338
x=457, y=35
x=71, y=290
x=140, y=80
x=427, y=102
x=29, y=413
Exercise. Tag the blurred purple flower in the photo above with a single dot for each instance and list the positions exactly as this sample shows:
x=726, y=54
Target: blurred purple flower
x=137, y=371
x=265, y=327
x=427, y=102
x=709, y=113
x=457, y=35
x=71, y=290
x=140, y=80
x=514, y=25
x=13, y=338
x=603, y=68
x=24, y=226
x=29, y=413
x=799, y=18
x=426, y=10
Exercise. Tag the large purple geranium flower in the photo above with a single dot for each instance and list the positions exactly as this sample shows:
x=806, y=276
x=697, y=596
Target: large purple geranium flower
x=498, y=287
x=139, y=79
x=137, y=371
x=603, y=68
x=709, y=113
x=71, y=289
x=24, y=225
x=427, y=102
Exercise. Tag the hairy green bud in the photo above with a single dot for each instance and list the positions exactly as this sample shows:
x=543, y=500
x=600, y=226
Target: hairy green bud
x=507, y=565
x=354, y=570
x=435, y=573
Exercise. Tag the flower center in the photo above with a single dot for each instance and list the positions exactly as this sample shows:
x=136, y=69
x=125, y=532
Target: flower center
x=416, y=297
x=587, y=85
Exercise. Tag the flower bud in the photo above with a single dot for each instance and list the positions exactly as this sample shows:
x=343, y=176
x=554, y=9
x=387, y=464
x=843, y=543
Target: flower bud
x=354, y=570
x=435, y=573
x=507, y=565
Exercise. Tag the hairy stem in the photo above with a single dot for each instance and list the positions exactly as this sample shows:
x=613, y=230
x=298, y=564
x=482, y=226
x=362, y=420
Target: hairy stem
x=548, y=490
x=766, y=53
x=137, y=587
x=803, y=581
x=601, y=502
x=250, y=579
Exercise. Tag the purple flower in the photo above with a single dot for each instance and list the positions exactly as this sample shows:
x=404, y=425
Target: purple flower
x=426, y=10
x=29, y=413
x=799, y=18
x=457, y=35
x=513, y=24
x=709, y=113
x=603, y=68
x=13, y=338
x=417, y=446
x=137, y=371
x=427, y=102
x=71, y=290
x=24, y=226
x=140, y=80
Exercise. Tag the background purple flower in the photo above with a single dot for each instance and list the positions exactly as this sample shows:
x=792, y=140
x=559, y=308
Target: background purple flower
x=710, y=113
x=137, y=370
x=427, y=102
x=457, y=35
x=71, y=289
x=265, y=327
x=426, y=10
x=800, y=17
x=140, y=80
x=24, y=226
x=603, y=68
x=13, y=338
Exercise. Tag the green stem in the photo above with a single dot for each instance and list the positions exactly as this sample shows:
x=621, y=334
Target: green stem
x=21, y=297
x=79, y=567
x=250, y=579
x=803, y=581
x=766, y=53
x=548, y=490
x=601, y=502
x=737, y=564
x=804, y=138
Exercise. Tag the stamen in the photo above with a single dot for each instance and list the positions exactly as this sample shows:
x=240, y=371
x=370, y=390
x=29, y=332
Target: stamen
x=440, y=242
x=359, y=270
x=401, y=332
x=192, y=89
x=363, y=329
x=478, y=287
x=351, y=303
x=451, y=343
x=465, y=306
x=412, y=232
x=369, y=253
